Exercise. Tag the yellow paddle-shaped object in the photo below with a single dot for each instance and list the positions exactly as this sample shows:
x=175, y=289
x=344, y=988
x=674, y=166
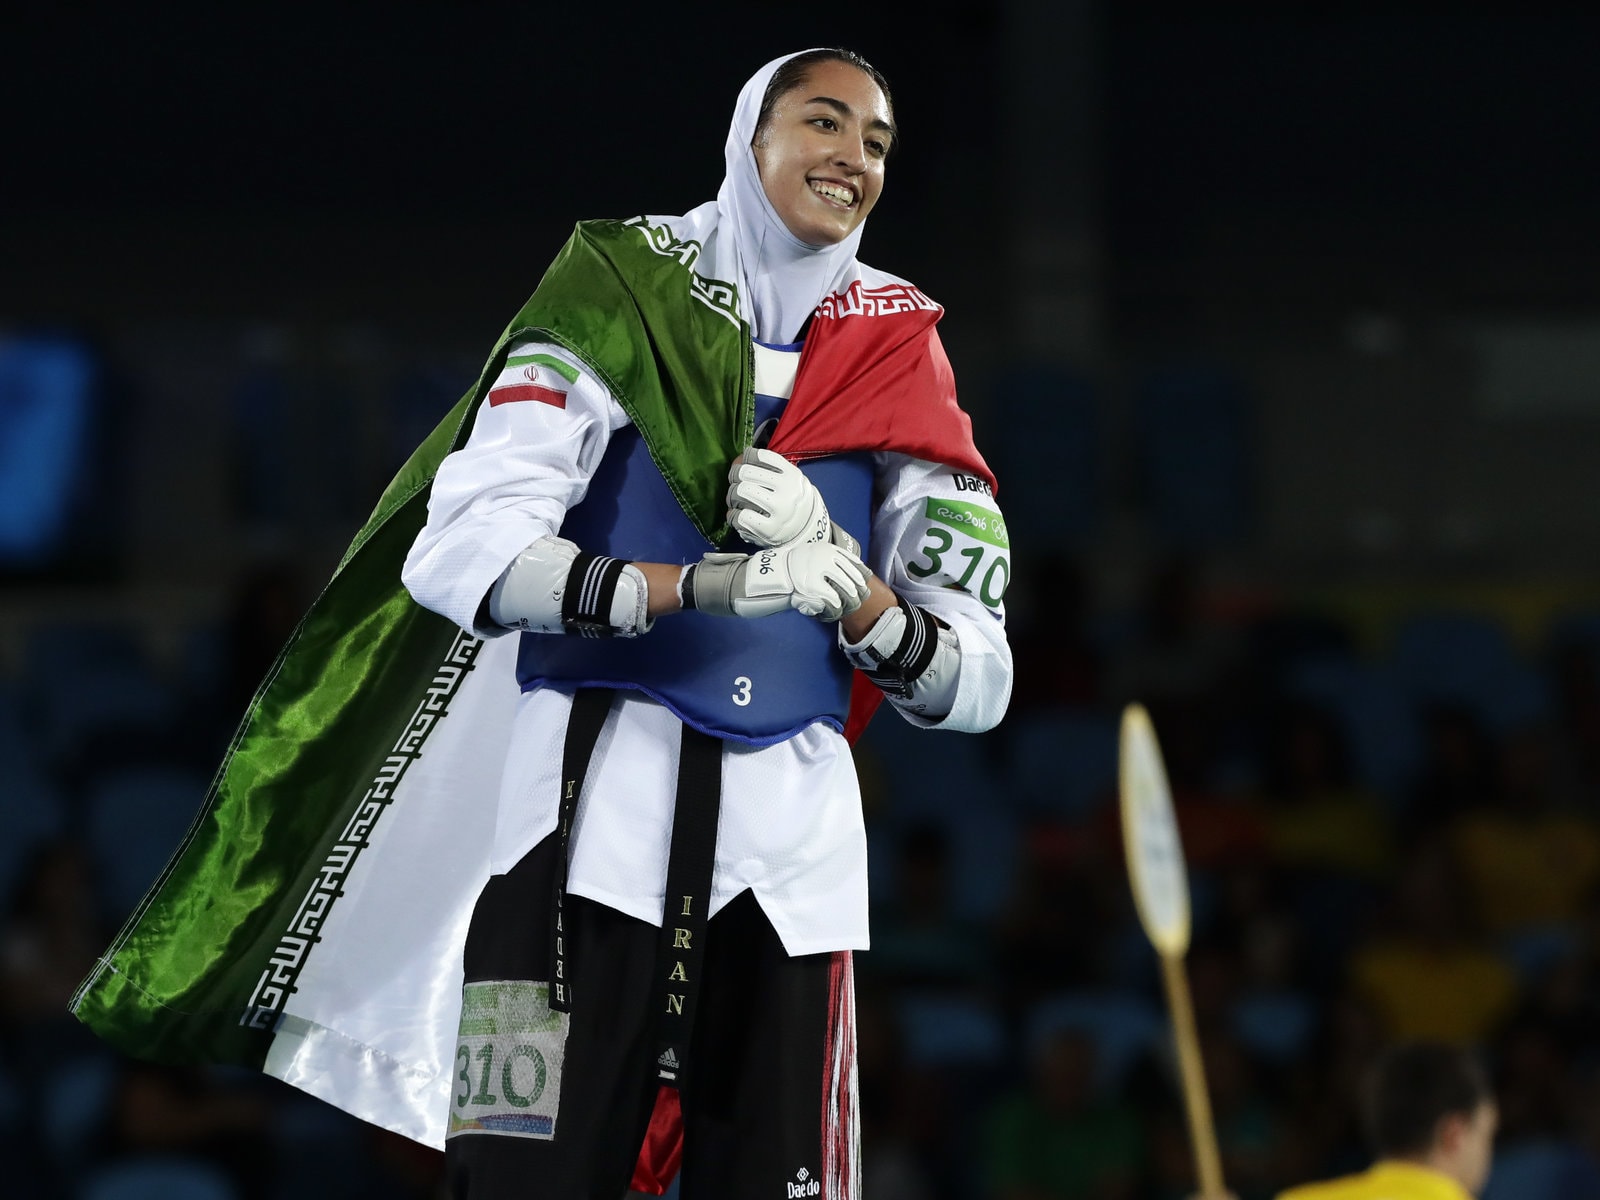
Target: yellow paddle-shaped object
x=1161, y=893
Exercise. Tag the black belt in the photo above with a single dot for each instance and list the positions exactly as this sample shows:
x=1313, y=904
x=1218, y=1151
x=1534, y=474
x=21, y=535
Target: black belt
x=682, y=949
x=680, y=954
x=589, y=709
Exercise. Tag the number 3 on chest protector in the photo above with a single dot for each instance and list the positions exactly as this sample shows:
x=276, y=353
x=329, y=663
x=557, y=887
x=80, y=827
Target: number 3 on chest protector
x=741, y=695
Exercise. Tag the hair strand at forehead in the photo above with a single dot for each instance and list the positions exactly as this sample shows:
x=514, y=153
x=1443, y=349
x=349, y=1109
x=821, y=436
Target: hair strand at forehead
x=794, y=72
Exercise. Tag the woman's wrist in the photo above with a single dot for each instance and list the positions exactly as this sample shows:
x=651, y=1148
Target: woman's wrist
x=880, y=598
x=662, y=581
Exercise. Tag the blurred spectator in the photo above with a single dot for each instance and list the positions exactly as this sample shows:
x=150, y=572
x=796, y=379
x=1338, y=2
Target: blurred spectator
x=1331, y=840
x=916, y=939
x=1457, y=773
x=1057, y=1139
x=406, y=1170
x=1431, y=1118
x=1426, y=972
x=1213, y=967
x=1528, y=858
x=198, y=1114
x=266, y=604
x=1317, y=818
x=1048, y=626
x=48, y=942
x=891, y=1167
x=1180, y=667
x=1175, y=651
x=1586, y=1130
x=1219, y=829
x=923, y=1159
x=1531, y=1083
x=1052, y=933
x=1251, y=1134
x=1324, y=1091
x=51, y=937
x=1574, y=670
x=1273, y=1015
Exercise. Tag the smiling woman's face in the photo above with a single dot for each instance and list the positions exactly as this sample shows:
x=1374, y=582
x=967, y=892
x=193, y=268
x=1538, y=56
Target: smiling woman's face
x=821, y=152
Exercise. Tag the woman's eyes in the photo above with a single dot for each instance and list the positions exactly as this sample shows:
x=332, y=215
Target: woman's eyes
x=879, y=149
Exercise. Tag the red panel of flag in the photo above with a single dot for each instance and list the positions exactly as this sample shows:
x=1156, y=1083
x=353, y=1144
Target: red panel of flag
x=527, y=391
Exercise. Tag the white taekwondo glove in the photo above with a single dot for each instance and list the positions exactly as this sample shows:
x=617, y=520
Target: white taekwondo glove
x=818, y=579
x=772, y=503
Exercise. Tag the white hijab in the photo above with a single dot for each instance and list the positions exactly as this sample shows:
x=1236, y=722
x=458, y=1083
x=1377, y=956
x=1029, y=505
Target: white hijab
x=780, y=278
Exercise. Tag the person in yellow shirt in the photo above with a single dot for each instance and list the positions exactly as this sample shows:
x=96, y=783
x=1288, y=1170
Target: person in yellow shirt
x=1427, y=971
x=1431, y=1116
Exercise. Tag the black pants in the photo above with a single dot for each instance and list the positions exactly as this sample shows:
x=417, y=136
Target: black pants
x=769, y=1106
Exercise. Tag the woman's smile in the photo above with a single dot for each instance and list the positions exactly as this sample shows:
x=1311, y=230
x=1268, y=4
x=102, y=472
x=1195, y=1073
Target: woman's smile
x=834, y=192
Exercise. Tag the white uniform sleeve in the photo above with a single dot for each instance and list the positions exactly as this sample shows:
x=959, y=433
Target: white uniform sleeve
x=535, y=443
x=940, y=541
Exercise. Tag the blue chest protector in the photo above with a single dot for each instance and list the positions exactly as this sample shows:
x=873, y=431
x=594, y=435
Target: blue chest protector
x=757, y=681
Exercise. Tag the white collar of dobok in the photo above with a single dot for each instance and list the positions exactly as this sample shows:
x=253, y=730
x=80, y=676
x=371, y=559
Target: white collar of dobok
x=775, y=371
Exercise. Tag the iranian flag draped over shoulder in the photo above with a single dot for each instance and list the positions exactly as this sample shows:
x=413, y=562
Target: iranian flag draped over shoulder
x=311, y=922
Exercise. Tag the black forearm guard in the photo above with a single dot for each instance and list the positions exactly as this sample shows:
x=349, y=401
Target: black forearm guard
x=586, y=603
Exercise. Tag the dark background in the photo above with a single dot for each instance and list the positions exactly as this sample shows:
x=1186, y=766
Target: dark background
x=1281, y=326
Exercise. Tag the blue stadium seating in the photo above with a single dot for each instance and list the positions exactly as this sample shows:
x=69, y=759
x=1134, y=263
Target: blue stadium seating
x=1467, y=659
x=134, y=821
x=34, y=810
x=1376, y=713
x=159, y=1179
x=26, y=1173
x=47, y=389
x=985, y=856
x=11, y=1105
x=1579, y=627
x=204, y=660
x=87, y=680
x=262, y=474
x=74, y=1103
x=51, y=647
x=927, y=772
x=35, y=815
x=951, y=1029
x=1123, y=1025
x=1542, y=1169
x=1276, y=1026
x=1048, y=456
x=1063, y=764
x=1534, y=949
x=1194, y=454
x=418, y=400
